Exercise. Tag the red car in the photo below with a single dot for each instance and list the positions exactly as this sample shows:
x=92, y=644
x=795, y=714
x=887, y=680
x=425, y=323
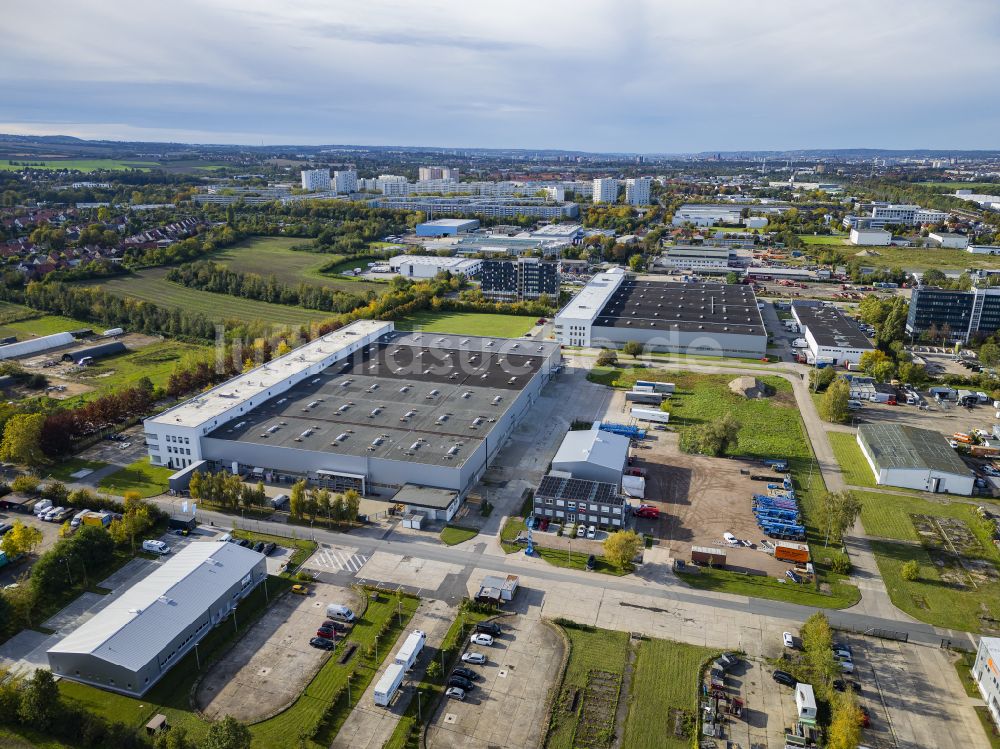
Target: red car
x=866, y=719
x=325, y=633
x=646, y=511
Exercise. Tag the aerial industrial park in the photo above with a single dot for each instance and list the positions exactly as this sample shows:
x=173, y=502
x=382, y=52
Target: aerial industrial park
x=604, y=420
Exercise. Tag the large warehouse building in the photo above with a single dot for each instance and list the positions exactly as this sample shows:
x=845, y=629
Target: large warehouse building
x=365, y=407
x=913, y=458
x=691, y=318
x=831, y=335
x=133, y=641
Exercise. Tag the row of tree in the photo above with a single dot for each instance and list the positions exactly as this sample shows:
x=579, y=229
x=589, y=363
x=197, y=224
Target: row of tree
x=226, y=489
x=306, y=502
x=209, y=276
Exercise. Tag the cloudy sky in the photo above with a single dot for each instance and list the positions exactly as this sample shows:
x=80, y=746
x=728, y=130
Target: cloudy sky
x=600, y=75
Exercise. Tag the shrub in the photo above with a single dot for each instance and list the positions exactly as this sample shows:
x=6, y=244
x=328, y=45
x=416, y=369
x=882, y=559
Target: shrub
x=840, y=563
x=910, y=571
x=25, y=484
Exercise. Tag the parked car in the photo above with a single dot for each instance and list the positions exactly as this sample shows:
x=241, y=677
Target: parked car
x=591, y=532
x=335, y=626
x=258, y=547
x=842, y=655
x=846, y=667
x=155, y=547
x=322, y=643
x=465, y=673
x=455, y=693
x=51, y=514
x=837, y=645
x=481, y=638
x=866, y=719
x=731, y=539
x=490, y=628
x=473, y=657
x=462, y=683
x=268, y=548
x=840, y=685
x=788, y=639
x=591, y=562
x=300, y=590
x=783, y=677
x=326, y=633
x=646, y=511
x=581, y=531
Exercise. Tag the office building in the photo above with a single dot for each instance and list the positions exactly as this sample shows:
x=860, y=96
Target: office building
x=949, y=240
x=437, y=172
x=605, y=190
x=524, y=279
x=572, y=500
x=871, y=237
x=697, y=214
x=986, y=675
x=637, y=190
x=478, y=206
x=593, y=454
x=886, y=214
x=428, y=266
x=696, y=318
x=315, y=179
x=447, y=227
x=130, y=644
x=364, y=407
x=953, y=314
x=699, y=258
x=345, y=181
x=913, y=458
x=833, y=338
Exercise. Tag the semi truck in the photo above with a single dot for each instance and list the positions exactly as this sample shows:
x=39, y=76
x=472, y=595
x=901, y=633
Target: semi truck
x=386, y=688
x=411, y=648
x=650, y=414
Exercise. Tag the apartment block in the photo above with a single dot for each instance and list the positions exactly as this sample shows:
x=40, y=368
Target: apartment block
x=524, y=279
x=315, y=179
x=605, y=190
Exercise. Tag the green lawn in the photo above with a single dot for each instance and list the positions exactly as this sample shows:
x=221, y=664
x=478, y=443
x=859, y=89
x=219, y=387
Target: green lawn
x=456, y=534
x=40, y=325
x=303, y=546
x=25, y=738
x=172, y=695
x=509, y=532
x=591, y=649
x=989, y=188
x=956, y=603
x=274, y=256
x=80, y=165
x=578, y=561
x=156, y=361
x=468, y=323
x=63, y=470
x=853, y=465
x=841, y=595
x=836, y=240
x=666, y=679
x=151, y=285
x=148, y=480
x=920, y=258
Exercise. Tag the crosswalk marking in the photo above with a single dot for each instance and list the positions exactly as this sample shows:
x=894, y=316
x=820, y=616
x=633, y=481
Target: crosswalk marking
x=339, y=560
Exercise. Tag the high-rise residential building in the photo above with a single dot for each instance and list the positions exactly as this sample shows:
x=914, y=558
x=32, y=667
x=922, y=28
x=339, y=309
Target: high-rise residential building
x=437, y=172
x=524, y=279
x=315, y=179
x=345, y=181
x=605, y=190
x=637, y=190
x=953, y=314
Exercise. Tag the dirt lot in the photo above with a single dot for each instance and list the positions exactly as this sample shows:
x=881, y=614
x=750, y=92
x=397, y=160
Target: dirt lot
x=271, y=664
x=508, y=706
x=701, y=498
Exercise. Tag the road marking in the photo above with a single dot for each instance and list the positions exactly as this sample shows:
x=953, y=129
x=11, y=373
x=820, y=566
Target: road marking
x=339, y=560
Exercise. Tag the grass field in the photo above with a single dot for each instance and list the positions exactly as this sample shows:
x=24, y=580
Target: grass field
x=841, y=595
x=666, y=679
x=468, y=323
x=269, y=256
x=853, y=465
x=931, y=598
x=148, y=480
x=156, y=361
x=151, y=285
x=836, y=240
x=456, y=534
x=80, y=165
x=919, y=258
x=590, y=650
x=509, y=532
x=988, y=188
x=64, y=470
x=24, y=322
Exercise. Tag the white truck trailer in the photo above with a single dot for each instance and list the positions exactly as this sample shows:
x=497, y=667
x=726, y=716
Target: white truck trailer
x=388, y=684
x=650, y=414
x=411, y=648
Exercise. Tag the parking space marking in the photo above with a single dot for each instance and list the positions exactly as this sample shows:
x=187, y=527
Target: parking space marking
x=338, y=560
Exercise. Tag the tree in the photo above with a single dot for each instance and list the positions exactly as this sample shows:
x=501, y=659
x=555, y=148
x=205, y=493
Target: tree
x=873, y=310
x=176, y=737
x=910, y=570
x=40, y=700
x=732, y=278
x=817, y=644
x=718, y=436
x=894, y=326
x=25, y=484
x=635, y=262
x=21, y=539
x=228, y=733
x=297, y=498
x=915, y=374
x=989, y=354
x=845, y=722
x=194, y=487
x=607, y=358
x=283, y=348
x=621, y=547
x=22, y=437
x=833, y=405
x=877, y=364
x=352, y=505
x=820, y=379
x=838, y=513
x=632, y=348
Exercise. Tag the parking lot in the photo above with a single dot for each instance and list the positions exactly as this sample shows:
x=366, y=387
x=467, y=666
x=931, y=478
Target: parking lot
x=508, y=707
x=50, y=534
x=270, y=665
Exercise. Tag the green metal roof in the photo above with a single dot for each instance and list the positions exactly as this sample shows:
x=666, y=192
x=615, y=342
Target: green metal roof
x=899, y=446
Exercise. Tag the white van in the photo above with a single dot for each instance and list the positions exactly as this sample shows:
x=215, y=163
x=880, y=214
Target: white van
x=155, y=547
x=854, y=405
x=42, y=506
x=78, y=518
x=339, y=611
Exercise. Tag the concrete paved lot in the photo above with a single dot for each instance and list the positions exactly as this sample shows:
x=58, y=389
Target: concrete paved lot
x=406, y=570
x=768, y=707
x=507, y=707
x=270, y=665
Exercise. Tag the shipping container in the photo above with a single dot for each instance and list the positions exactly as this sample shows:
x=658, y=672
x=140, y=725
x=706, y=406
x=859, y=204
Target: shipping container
x=791, y=552
x=706, y=555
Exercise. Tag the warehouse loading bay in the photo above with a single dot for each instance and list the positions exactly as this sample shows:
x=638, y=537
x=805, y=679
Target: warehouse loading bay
x=699, y=498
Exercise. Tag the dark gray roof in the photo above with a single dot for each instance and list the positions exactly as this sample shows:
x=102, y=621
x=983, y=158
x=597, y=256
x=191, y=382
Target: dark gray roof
x=559, y=487
x=898, y=446
x=666, y=305
x=831, y=327
x=102, y=349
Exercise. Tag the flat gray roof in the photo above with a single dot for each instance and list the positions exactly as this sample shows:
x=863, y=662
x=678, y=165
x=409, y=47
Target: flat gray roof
x=831, y=327
x=419, y=397
x=898, y=446
x=696, y=307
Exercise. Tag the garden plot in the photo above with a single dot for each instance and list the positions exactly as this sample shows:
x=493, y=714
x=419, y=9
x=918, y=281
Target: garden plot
x=955, y=550
x=597, y=714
